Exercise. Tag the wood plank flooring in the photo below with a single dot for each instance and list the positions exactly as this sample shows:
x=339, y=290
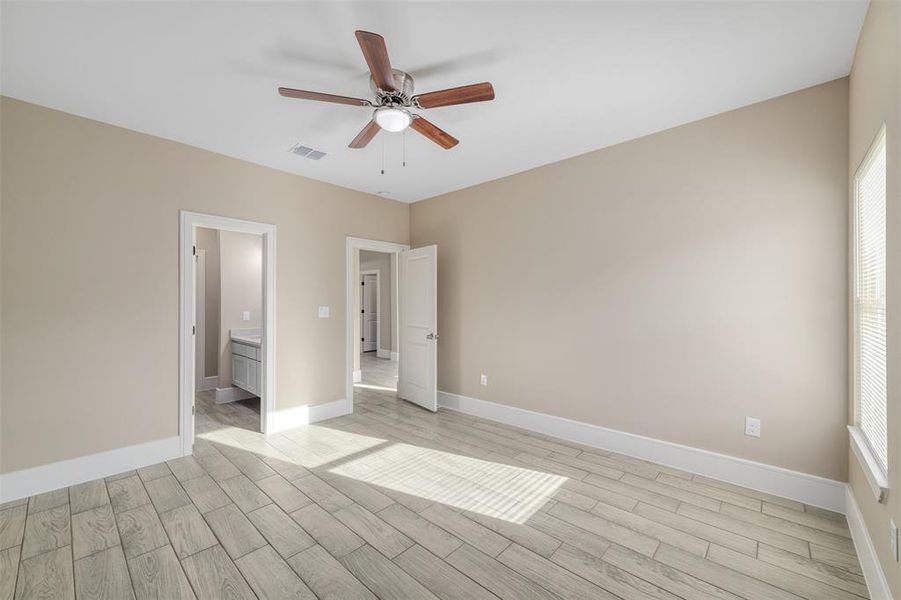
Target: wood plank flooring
x=395, y=502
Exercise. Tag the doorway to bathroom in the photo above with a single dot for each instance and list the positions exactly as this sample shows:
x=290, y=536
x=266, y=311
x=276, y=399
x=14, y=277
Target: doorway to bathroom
x=227, y=323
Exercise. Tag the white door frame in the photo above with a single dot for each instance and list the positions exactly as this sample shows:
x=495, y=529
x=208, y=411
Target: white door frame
x=189, y=221
x=200, y=320
x=378, y=307
x=354, y=244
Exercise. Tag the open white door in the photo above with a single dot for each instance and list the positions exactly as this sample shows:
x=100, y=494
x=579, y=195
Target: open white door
x=418, y=304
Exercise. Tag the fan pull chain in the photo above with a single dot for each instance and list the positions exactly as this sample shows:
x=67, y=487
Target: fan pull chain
x=383, y=155
x=404, y=161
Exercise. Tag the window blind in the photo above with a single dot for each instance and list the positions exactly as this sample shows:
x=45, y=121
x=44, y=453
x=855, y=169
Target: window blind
x=869, y=304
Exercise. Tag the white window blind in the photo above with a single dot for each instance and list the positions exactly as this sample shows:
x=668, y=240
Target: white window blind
x=869, y=301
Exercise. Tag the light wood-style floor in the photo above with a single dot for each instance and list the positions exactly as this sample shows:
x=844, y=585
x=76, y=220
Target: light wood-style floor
x=243, y=414
x=377, y=372
x=395, y=502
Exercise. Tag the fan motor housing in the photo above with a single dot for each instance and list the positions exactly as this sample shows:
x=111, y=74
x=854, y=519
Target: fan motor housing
x=403, y=81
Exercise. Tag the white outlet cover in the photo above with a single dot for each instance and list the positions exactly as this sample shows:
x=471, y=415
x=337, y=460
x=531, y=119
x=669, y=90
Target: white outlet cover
x=752, y=426
x=484, y=379
x=246, y=315
x=324, y=312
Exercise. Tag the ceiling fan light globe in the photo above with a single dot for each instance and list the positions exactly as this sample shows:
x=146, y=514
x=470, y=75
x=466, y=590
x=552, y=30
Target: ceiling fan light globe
x=392, y=119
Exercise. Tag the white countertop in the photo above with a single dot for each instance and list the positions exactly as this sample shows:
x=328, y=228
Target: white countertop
x=251, y=337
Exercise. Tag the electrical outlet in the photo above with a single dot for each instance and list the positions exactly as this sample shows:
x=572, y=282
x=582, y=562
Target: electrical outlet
x=752, y=426
x=246, y=315
x=484, y=380
x=893, y=538
x=324, y=312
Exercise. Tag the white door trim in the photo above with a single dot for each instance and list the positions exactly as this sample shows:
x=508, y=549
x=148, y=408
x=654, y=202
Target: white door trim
x=189, y=221
x=378, y=306
x=354, y=244
x=200, y=321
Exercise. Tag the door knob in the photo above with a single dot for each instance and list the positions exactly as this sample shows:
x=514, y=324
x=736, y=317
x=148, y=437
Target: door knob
x=432, y=336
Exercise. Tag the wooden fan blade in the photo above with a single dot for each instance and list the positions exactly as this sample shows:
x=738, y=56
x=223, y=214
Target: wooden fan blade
x=439, y=136
x=376, y=54
x=365, y=136
x=305, y=95
x=477, y=92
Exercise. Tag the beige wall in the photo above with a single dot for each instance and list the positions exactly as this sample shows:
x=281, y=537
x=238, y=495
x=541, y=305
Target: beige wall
x=241, y=288
x=668, y=286
x=381, y=262
x=875, y=98
x=90, y=278
x=208, y=240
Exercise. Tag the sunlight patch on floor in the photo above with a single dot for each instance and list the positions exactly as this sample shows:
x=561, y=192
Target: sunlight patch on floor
x=310, y=446
x=489, y=488
x=323, y=445
x=493, y=489
x=379, y=388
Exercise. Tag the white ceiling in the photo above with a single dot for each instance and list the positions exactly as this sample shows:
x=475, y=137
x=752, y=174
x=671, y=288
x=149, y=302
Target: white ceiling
x=569, y=77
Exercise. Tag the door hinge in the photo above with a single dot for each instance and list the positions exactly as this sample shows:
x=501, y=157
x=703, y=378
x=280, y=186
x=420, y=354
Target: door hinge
x=192, y=409
x=363, y=311
x=194, y=250
x=193, y=329
x=362, y=283
x=362, y=339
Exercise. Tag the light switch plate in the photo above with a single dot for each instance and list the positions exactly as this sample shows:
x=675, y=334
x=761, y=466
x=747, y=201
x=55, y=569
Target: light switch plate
x=246, y=315
x=752, y=426
x=324, y=312
x=484, y=379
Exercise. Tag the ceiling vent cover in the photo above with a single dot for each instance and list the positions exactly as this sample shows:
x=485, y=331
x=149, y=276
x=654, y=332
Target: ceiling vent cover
x=306, y=152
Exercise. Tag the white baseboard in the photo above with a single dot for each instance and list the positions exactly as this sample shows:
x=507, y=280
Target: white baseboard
x=810, y=489
x=54, y=476
x=358, y=376
x=395, y=356
x=382, y=353
x=330, y=410
x=866, y=551
x=231, y=394
x=28, y=482
x=299, y=416
x=208, y=383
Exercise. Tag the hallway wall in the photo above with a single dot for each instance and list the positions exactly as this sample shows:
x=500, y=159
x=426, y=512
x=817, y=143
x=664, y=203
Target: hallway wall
x=381, y=262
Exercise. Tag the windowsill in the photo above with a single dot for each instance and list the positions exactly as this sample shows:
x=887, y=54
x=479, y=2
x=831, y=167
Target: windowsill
x=871, y=468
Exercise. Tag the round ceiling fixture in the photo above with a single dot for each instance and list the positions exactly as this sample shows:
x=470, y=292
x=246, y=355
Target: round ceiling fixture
x=392, y=119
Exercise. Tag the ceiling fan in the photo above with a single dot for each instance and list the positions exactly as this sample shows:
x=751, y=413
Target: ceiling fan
x=394, y=97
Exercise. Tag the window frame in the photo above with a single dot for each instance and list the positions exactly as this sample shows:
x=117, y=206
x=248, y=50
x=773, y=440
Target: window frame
x=862, y=447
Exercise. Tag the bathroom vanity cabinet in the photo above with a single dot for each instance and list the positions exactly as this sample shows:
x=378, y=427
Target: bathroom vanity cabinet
x=246, y=367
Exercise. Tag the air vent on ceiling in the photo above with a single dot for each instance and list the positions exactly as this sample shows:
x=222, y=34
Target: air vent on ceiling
x=306, y=152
